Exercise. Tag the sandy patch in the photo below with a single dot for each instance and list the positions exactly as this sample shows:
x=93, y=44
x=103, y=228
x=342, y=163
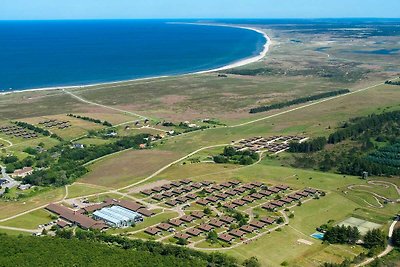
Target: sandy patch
x=306, y=242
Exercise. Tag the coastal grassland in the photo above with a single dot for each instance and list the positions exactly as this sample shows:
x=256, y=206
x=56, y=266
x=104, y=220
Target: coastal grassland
x=30, y=220
x=313, y=120
x=202, y=96
x=81, y=189
x=127, y=167
x=37, y=103
x=11, y=208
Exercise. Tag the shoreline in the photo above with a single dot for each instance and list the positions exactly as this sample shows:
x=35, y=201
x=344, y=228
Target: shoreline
x=236, y=64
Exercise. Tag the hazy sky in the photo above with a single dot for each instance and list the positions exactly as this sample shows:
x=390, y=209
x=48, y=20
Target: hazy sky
x=90, y=9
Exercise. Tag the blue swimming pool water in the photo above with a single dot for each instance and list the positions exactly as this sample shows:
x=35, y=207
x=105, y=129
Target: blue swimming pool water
x=318, y=235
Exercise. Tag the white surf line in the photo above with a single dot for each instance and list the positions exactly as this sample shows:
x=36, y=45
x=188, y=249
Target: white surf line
x=104, y=106
x=305, y=106
x=241, y=62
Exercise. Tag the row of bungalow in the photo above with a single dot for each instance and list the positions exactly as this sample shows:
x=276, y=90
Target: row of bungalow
x=55, y=123
x=273, y=144
x=213, y=223
x=273, y=205
x=18, y=131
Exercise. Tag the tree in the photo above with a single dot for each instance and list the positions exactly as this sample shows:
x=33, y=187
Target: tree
x=229, y=151
x=375, y=238
x=396, y=237
x=207, y=210
x=10, y=159
x=6, y=190
x=212, y=236
x=182, y=241
x=342, y=235
x=251, y=262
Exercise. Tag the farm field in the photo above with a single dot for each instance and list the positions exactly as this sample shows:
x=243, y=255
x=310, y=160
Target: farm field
x=127, y=167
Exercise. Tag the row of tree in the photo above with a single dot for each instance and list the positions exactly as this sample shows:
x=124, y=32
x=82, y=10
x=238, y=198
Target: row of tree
x=311, y=145
x=105, y=123
x=298, y=101
x=373, y=239
x=392, y=82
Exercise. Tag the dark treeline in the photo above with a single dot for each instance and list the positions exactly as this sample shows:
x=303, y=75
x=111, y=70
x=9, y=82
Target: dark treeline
x=33, y=128
x=392, y=82
x=342, y=235
x=105, y=123
x=312, y=145
x=298, y=101
x=372, y=124
x=50, y=251
x=69, y=165
x=157, y=248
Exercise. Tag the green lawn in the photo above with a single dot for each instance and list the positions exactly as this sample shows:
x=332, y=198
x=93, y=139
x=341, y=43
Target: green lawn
x=30, y=220
x=77, y=190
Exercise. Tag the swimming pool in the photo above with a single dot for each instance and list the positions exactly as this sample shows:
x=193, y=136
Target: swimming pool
x=318, y=235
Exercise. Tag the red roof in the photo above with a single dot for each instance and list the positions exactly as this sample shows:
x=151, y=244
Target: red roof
x=237, y=232
x=226, y=237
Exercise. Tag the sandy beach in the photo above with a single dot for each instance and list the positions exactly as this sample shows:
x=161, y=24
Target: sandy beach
x=236, y=64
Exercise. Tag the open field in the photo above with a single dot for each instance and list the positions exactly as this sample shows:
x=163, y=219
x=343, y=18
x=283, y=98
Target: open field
x=11, y=208
x=30, y=220
x=81, y=189
x=127, y=167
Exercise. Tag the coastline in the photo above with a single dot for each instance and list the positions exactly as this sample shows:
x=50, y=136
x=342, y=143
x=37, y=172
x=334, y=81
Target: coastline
x=236, y=64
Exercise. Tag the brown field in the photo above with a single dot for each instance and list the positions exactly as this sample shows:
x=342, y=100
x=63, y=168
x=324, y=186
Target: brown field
x=127, y=167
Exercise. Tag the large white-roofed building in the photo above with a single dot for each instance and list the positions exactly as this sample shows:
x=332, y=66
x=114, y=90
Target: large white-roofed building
x=117, y=216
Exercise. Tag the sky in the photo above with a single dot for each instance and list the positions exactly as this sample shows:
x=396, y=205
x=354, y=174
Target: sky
x=157, y=9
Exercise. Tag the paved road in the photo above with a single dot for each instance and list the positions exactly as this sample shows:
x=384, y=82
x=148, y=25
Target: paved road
x=11, y=182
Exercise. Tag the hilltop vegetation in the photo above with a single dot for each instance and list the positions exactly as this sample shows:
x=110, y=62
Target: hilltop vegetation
x=48, y=251
x=355, y=147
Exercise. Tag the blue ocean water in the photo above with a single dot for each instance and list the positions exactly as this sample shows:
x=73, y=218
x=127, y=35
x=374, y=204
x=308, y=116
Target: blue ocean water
x=37, y=54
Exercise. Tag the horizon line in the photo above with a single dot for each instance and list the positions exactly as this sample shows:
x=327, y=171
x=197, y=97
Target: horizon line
x=243, y=18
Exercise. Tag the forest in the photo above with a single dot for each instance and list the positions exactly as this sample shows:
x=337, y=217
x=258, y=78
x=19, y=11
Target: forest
x=50, y=251
x=363, y=144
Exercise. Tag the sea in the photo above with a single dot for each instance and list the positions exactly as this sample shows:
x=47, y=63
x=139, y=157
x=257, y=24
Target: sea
x=41, y=54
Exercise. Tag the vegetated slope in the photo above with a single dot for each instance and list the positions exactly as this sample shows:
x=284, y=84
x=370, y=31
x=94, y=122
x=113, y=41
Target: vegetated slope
x=46, y=251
